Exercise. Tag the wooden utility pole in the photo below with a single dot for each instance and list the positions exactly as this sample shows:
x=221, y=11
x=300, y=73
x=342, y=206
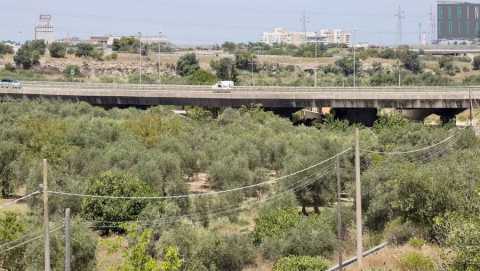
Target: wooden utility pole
x=68, y=248
x=339, y=219
x=46, y=230
x=358, y=200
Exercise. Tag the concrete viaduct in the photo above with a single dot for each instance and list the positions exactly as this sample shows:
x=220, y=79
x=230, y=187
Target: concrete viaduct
x=354, y=104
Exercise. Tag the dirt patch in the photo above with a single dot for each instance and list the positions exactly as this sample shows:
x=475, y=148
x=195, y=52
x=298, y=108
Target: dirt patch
x=199, y=183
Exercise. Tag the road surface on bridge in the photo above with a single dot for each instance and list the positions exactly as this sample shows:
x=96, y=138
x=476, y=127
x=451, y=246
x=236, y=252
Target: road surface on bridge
x=270, y=97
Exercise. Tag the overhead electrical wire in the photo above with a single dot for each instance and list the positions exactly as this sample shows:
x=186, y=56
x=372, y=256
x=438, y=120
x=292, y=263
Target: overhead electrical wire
x=173, y=219
x=13, y=202
x=206, y=193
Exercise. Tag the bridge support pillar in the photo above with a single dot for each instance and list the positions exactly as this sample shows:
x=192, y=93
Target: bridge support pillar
x=365, y=116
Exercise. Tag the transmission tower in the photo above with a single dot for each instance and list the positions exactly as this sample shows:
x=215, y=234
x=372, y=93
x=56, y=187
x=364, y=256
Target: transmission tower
x=432, y=25
x=400, y=16
x=304, y=20
x=420, y=33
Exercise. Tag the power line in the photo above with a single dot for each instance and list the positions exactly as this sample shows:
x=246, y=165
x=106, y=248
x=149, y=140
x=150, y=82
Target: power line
x=30, y=240
x=412, y=151
x=173, y=219
x=206, y=193
x=10, y=203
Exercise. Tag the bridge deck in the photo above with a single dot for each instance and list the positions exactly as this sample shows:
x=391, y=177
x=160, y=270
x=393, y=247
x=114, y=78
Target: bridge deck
x=272, y=97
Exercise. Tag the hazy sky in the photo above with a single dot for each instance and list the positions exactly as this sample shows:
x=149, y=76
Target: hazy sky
x=209, y=21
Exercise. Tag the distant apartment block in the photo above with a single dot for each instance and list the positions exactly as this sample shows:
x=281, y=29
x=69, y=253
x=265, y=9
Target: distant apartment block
x=44, y=30
x=281, y=35
x=153, y=39
x=324, y=36
x=107, y=40
x=458, y=20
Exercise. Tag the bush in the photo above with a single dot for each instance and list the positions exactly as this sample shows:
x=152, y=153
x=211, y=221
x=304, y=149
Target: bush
x=88, y=50
x=187, y=64
x=10, y=67
x=58, y=49
x=114, y=184
x=5, y=49
x=345, y=65
x=274, y=223
x=301, y=263
x=202, y=77
x=415, y=261
x=29, y=54
x=225, y=69
x=12, y=227
x=398, y=232
x=416, y=243
x=207, y=250
x=72, y=71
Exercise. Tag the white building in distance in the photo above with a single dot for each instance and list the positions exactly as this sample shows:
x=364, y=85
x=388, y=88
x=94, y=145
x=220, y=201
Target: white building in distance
x=44, y=30
x=324, y=36
x=281, y=35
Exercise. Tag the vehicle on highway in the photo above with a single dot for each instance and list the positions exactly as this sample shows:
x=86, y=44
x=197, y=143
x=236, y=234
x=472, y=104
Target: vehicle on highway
x=10, y=83
x=224, y=85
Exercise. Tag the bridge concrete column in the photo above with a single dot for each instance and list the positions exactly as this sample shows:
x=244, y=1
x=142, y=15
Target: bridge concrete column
x=365, y=116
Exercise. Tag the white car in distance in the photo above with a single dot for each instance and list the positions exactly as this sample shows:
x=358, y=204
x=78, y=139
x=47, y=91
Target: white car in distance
x=223, y=86
x=10, y=83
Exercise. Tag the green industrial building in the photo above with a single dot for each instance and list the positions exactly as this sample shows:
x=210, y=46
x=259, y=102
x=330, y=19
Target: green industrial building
x=458, y=20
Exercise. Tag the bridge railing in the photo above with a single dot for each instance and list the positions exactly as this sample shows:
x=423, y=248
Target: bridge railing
x=158, y=87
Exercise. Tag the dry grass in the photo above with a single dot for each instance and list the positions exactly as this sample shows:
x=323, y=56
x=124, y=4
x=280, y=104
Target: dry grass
x=261, y=264
x=389, y=258
x=110, y=252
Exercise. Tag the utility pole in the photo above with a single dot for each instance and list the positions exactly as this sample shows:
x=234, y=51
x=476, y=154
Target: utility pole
x=339, y=219
x=253, y=79
x=140, y=67
x=159, y=49
x=399, y=73
x=68, y=248
x=400, y=16
x=354, y=61
x=316, y=77
x=46, y=230
x=358, y=201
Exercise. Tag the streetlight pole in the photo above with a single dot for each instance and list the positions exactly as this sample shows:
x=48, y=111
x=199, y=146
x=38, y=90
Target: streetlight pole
x=354, y=61
x=140, y=50
x=253, y=79
x=159, y=50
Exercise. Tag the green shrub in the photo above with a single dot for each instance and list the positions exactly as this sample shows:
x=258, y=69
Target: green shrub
x=10, y=67
x=415, y=261
x=398, y=232
x=58, y=49
x=416, y=242
x=72, y=71
x=301, y=263
x=187, y=64
x=114, y=184
x=202, y=77
x=274, y=223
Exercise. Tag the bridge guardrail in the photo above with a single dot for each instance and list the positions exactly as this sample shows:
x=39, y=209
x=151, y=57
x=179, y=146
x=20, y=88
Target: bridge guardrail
x=153, y=87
